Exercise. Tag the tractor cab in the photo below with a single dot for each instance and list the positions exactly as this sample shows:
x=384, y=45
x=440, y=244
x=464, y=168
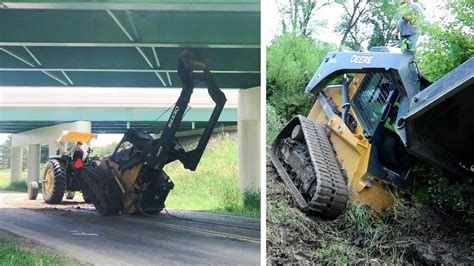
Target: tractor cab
x=67, y=141
x=61, y=171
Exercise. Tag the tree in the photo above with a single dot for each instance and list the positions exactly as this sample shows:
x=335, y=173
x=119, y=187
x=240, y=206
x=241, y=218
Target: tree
x=291, y=63
x=296, y=15
x=449, y=41
x=44, y=153
x=349, y=26
x=5, y=153
x=383, y=17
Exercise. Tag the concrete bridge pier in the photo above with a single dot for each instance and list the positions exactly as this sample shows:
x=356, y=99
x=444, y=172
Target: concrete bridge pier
x=16, y=163
x=249, y=139
x=33, y=162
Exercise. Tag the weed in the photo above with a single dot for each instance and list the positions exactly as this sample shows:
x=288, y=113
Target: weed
x=11, y=254
x=251, y=198
x=338, y=253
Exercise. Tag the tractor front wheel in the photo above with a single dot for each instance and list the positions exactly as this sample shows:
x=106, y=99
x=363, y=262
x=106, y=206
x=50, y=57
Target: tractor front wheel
x=32, y=190
x=54, y=182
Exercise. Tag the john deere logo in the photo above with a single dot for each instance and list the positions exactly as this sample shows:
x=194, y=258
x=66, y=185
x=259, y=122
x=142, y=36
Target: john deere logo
x=173, y=116
x=361, y=59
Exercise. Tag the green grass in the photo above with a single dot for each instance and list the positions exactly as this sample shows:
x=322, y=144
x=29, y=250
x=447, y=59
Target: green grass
x=12, y=254
x=214, y=185
x=19, y=186
x=15, y=186
x=5, y=177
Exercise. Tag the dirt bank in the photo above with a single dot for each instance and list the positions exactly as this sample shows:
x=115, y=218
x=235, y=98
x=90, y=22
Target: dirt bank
x=407, y=233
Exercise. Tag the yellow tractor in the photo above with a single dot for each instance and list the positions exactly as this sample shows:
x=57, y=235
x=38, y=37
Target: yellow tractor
x=60, y=177
x=360, y=140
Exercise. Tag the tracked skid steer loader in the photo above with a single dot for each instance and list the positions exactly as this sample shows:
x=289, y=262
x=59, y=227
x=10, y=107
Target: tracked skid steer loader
x=360, y=140
x=132, y=179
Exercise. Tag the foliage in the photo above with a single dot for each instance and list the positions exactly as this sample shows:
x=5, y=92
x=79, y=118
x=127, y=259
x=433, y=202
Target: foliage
x=104, y=150
x=5, y=153
x=297, y=14
x=291, y=62
x=435, y=187
x=449, y=41
x=274, y=124
x=349, y=26
x=44, y=153
x=382, y=16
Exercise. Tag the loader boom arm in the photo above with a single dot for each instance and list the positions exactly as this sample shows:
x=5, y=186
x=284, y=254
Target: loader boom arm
x=161, y=151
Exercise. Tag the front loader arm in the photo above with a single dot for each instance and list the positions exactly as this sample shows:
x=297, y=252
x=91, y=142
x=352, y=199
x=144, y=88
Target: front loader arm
x=190, y=159
x=159, y=153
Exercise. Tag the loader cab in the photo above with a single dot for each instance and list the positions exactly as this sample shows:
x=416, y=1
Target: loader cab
x=380, y=82
x=376, y=106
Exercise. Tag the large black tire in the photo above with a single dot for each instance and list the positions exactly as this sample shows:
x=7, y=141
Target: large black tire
x=85, y=198
x=99, y=186
x=54, y=194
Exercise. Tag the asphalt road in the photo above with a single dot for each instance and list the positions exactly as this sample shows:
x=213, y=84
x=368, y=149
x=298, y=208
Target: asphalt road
x=180, y=237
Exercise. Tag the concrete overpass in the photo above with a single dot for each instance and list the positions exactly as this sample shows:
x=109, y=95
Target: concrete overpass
x=110, y=110
x=87, y=49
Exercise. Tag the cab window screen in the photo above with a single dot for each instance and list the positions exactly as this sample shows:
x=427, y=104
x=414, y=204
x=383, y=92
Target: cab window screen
x=370, y=100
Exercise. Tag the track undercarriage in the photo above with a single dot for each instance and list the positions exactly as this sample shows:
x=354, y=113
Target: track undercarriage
x=305, y=161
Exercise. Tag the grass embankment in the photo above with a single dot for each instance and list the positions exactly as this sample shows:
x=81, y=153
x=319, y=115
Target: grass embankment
x=16, y=250
x=12, y=254
x=214, y=185
x=15, y=186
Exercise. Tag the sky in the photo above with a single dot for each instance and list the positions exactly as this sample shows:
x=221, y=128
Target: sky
x=331, y=15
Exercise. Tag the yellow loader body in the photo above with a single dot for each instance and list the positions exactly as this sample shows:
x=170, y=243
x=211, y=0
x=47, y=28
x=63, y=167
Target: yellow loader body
x=353, y=152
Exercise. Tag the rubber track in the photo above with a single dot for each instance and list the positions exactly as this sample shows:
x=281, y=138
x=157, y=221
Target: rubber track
x=99, y=186
x=60, y=182
x=331, y=195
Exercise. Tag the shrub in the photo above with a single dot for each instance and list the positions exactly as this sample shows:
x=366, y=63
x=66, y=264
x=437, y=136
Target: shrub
x=291, y=63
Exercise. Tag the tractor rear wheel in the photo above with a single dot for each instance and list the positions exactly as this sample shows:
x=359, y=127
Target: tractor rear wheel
x=54, y=181
x=85, y=198
x=99, y=186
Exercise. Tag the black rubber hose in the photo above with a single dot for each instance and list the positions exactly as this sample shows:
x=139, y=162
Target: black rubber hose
x=345, y=101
